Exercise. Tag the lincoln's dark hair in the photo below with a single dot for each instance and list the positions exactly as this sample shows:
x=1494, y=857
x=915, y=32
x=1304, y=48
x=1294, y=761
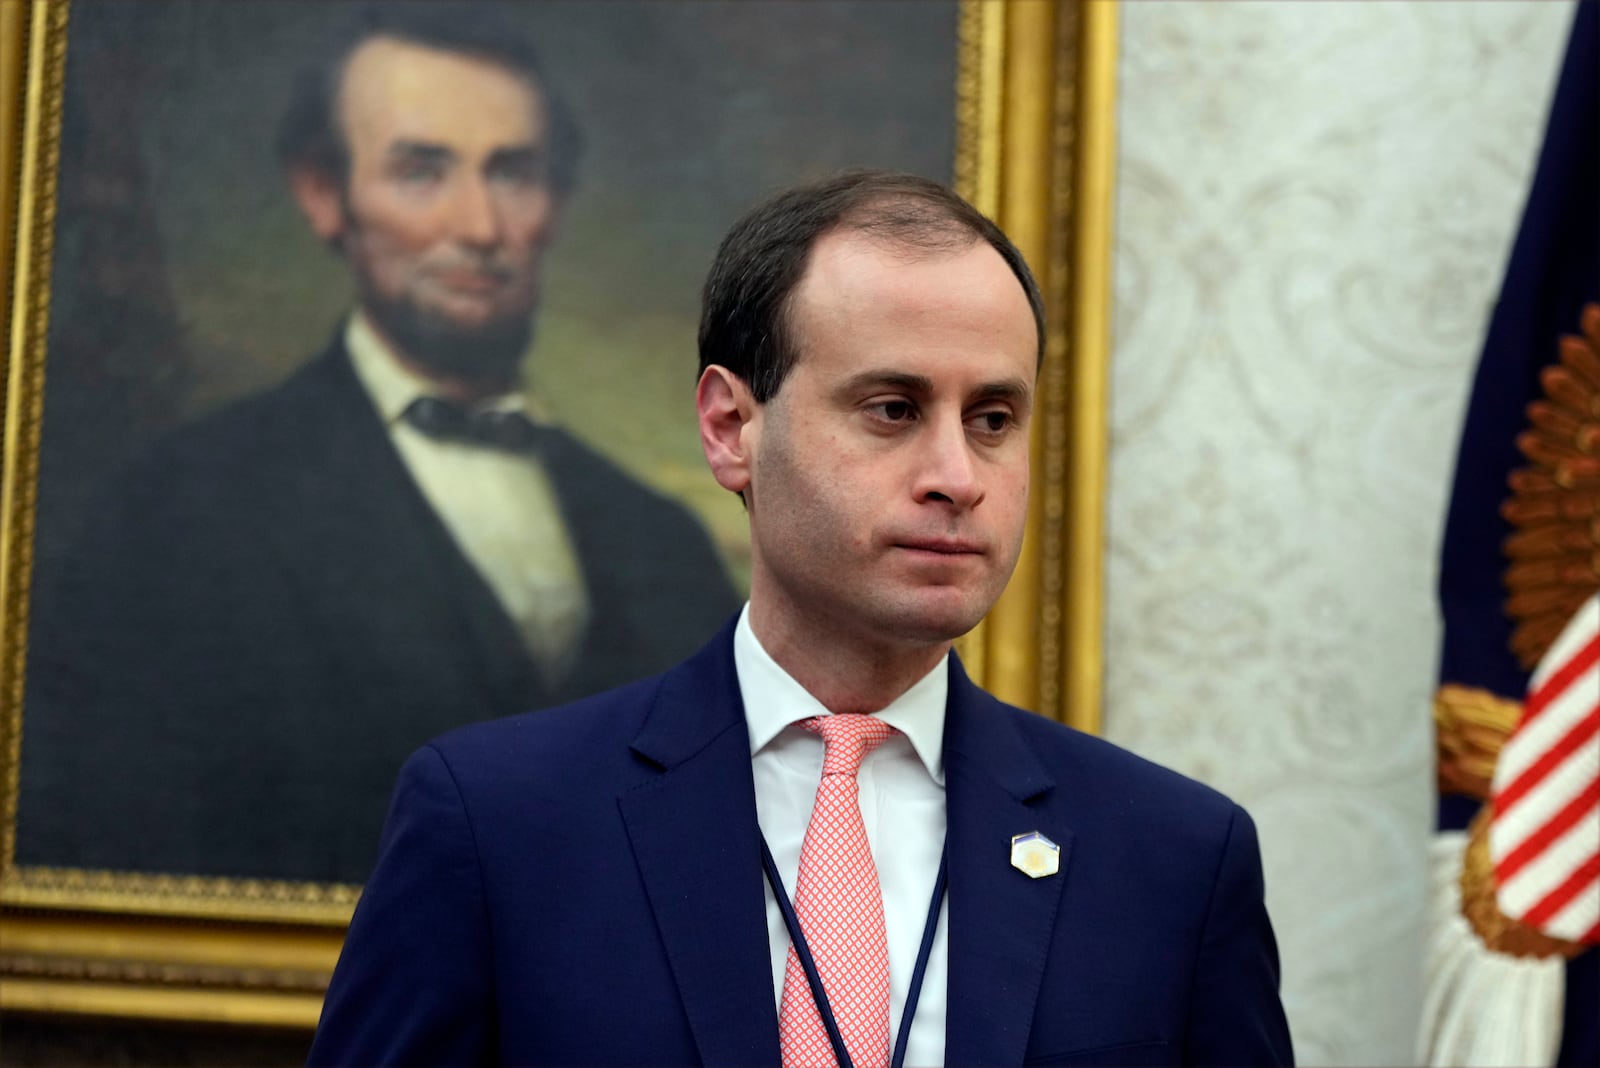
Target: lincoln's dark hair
x=744, y=310
x=310, y=136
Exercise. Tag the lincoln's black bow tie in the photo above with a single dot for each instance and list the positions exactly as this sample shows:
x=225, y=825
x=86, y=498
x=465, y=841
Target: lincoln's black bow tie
x=444, y=421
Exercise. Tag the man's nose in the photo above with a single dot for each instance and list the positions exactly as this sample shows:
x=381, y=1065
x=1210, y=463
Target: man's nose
x=476, y=217
x=949, y=469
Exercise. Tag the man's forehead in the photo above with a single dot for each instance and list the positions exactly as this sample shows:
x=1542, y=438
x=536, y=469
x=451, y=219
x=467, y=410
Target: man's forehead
x=397, y=87
x=849, y=274
x=924, y=322
x=847, y=265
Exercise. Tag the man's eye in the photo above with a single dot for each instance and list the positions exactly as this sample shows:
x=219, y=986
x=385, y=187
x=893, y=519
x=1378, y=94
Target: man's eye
x=994, y=422
x=418, y=173
x=894, y=411
x=528, y=173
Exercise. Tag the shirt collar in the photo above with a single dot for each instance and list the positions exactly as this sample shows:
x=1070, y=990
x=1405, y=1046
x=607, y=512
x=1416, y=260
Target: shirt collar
x=773, y=700
x=392, y=386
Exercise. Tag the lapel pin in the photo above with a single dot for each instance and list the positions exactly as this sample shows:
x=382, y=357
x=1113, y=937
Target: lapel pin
x=1034, y=855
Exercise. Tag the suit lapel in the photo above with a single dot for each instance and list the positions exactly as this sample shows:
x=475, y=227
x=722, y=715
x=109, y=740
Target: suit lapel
x=695, y=839
x=694, y=836
x=363, y=508
x=595, y=511
x=1001, y=921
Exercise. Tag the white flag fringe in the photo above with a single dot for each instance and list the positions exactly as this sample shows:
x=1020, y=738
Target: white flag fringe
x=1481, y=1009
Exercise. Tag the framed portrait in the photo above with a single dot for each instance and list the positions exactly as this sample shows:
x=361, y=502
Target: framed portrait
x=350, y=359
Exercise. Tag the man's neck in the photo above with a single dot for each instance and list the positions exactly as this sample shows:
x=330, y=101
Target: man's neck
x=841, y=670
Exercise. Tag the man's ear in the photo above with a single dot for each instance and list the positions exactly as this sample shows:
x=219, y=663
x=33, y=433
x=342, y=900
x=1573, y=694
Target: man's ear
x=729, y=426
x=321, y=201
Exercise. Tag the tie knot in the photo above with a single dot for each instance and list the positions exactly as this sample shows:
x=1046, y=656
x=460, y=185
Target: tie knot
x=446, y=421
x=849, y=737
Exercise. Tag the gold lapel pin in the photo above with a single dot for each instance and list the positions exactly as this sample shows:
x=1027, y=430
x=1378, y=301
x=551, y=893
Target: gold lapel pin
x=1034, y=855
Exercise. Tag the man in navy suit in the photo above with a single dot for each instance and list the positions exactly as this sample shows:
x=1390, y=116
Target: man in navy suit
x=604, y=883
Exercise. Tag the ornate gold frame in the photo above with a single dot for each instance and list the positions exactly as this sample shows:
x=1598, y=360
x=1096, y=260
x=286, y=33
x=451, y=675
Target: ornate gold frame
x=1035, y=150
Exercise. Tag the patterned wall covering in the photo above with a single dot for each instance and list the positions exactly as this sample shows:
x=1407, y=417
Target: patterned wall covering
x=1314, y=204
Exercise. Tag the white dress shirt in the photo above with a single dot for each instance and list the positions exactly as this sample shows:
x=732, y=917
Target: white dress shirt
x=499, y=507
x=902, y=804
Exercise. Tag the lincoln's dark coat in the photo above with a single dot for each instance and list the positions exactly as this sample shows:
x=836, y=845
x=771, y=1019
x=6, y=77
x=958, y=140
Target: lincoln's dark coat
x=265, y=616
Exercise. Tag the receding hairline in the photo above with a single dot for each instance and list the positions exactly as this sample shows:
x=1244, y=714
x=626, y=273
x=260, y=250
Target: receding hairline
x=938, y=234
x=907, y=220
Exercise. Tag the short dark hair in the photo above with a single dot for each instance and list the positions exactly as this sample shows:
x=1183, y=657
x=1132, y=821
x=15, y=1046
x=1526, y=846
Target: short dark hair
x=744, y=309
x=310, y=135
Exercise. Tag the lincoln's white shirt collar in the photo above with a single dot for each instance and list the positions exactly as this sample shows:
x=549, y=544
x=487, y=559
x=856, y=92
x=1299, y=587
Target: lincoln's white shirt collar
x=773, y=700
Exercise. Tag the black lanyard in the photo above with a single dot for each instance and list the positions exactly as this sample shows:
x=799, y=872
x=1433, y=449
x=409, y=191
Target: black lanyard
x=814, y=978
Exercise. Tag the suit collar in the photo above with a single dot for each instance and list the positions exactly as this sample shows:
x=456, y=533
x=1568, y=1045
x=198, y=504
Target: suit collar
x=697, y=702
x=979, y=731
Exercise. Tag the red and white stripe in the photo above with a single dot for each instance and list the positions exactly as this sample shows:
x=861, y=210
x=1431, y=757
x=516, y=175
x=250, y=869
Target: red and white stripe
x=1545, y=838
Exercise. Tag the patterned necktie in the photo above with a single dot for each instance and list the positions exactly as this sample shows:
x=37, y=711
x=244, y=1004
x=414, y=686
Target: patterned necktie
x=840, y=909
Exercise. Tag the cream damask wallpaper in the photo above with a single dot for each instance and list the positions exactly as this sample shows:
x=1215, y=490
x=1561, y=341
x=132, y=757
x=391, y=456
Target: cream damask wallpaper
x=1314, y=204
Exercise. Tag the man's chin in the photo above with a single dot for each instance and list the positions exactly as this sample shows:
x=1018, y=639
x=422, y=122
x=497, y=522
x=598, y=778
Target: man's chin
x=451, y=347
x=931, y=617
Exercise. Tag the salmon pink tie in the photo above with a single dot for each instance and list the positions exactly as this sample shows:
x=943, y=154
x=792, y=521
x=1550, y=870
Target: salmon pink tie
x=840, y=909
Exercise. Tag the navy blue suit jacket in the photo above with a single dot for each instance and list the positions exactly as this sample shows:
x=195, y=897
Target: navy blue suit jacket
x=584, y=886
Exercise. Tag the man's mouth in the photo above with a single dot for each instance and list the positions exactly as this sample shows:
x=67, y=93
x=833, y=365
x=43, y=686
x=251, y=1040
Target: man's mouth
x=942, y=546
x=471, y=281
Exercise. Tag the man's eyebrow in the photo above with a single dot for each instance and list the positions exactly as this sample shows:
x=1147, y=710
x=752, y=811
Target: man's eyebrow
x=525, y=155
x=1013, y=389
x=517, y=152
x=419, y=151
x=881, y=379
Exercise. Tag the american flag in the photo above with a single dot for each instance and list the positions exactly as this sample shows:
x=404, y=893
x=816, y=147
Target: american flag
x=1545, y=838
